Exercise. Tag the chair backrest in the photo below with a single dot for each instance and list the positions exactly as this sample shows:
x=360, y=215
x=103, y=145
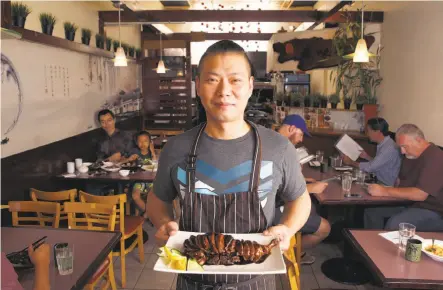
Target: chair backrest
x=91, y=216
x=38, y=207
x=59, y=196
x=119, y=200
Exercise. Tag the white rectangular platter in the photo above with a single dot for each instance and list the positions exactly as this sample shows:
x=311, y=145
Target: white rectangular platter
x=274, y=263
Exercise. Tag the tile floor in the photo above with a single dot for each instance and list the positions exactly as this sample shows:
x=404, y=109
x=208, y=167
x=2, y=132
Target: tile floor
x=142, y=276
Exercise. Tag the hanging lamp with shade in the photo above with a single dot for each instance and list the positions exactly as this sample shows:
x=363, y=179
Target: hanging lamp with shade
x=161, y=69
x=120, y=55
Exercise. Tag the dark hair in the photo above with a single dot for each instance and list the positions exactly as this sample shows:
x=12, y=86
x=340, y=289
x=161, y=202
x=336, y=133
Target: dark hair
x=105, y=112
x=379, y=124
x=225, y=46
x=142, y=133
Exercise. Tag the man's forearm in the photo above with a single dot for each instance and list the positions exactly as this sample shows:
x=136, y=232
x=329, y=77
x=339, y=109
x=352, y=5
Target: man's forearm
x=41, y=281
x=410, y=193
x=296, y=212
x=159, y=212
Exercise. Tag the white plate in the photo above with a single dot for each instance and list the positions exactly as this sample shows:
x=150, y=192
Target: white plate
x=343, y=168
x=427, y=243
x=273, y=264
x=111, y=169
x=87, y=163
x=314, y=163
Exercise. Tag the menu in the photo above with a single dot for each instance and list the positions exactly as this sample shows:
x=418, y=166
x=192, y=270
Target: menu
x=349, y=147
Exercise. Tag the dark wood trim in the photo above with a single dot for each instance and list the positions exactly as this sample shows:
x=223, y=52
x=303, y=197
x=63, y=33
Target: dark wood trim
x=101, y=26
x=37, y=37
x=334, y=10
x=389, y=283
x=202, y=36
x=6, y=16
x=165, y=16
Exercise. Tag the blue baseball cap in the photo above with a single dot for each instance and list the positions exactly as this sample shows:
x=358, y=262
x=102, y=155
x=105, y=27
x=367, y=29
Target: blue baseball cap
x=297, y=121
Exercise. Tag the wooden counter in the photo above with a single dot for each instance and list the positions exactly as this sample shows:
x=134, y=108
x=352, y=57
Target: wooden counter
x=337, y=133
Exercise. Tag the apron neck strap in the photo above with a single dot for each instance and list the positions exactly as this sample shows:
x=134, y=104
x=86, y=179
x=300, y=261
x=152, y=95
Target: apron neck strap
x=256, y=162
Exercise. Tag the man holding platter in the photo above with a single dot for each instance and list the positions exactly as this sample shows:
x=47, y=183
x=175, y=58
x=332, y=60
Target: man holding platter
x=228, y=172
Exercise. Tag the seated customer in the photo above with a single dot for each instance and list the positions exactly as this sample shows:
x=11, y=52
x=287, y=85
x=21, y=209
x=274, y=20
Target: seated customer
x=387, y=161
x=143, y=155
x=115, y=143
x=316, y=228
x=420, y=180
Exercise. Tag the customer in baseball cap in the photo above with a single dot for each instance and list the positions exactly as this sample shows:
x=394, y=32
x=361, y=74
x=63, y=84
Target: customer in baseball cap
x=294, y=127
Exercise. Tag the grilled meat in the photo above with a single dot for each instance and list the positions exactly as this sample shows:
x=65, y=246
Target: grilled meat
x=221, y=249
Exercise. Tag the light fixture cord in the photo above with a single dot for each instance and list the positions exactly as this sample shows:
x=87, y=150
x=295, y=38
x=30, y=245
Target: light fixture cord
x=119, y=28
x=362, y=18
x=161, y=53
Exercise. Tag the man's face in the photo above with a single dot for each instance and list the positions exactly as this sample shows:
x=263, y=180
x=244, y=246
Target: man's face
x=408, y=146
x=294, y=134
x=107, y=123
x=224, y=86
x=371, y=133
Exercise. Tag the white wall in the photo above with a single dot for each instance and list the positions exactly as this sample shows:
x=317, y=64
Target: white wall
x=61, y=91
x=130, y=34
x=412, y=68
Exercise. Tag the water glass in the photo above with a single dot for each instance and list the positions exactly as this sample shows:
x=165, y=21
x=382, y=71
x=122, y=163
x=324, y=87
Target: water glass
x=71, y=167
x=405, y=232
x=78, y=163
x=361, y=176
x=65, y=259
x=346, y=183
x=319, y=156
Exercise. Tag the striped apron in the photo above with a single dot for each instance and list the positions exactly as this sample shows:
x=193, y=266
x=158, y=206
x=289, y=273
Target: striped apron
x=239, y=212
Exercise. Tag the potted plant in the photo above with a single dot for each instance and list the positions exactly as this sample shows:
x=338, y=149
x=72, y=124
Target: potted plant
x=131, y=51
x=125, y=48
x=108, y=43
x=19, y=13
x=115, y=44
x=347, y=100
x=296, y=99
x=360, y=100
x=99, y=41
x=86, y=36
x=334, y=99
x=70, y=29
x=323, y=101
x=138, y=53
x=47, y=21
x=315, y=100
x=307, y=101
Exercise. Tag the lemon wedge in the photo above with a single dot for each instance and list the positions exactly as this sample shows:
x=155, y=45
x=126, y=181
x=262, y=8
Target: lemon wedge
x=178, y=263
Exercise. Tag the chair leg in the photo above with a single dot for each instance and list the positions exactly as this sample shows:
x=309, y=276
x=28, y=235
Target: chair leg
x=123, y=262
x=111, y=276
x=141, y=251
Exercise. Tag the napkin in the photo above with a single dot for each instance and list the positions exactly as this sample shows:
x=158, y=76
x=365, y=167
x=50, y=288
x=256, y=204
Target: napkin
x=69, y=175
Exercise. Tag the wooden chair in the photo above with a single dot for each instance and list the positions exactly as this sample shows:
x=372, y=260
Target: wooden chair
x=293, y=271
x=127, y=225
x=38, y=207
x=95, y=217
x=56, y=196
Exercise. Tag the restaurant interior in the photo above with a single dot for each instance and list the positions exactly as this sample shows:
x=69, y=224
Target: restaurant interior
x=336, y=64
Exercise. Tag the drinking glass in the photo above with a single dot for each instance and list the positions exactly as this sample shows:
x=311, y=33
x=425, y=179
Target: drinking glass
x=361, y=176
x=405, y=232
x=346, y=183
x=319, y=156
x=71, y=168
x=65, y=259
x=78, y=163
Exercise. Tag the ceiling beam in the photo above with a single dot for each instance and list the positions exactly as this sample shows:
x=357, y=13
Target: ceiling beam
x=331, y=12
x=202, y=36
x=166, y=16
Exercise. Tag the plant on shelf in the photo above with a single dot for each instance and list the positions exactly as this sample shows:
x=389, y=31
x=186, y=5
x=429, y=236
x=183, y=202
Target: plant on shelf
x=334, y=99
x=115, y=45
x=125, y=48
x=360, y=100
x=70, y=29
x=86, y=36
x=138, y=52
x=131, y=51
x=296, y=99
x=108, y=43
x=19, y=13
x=347, y=101
x=323, y=101
x=47, y=21
x=307, y=101
x=99, y=41
x=315, y=100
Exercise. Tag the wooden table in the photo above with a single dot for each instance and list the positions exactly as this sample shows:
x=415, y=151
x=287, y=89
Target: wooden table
x=390, y=267
x=90, y=250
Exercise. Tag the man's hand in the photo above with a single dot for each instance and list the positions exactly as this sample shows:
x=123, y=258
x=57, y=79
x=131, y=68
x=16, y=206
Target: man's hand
x=365, y=155
x=347, y=160
x=39, y=257
x=317, y=187
x=165, y=231
x=377, y=190
x=115, y=157
x=282, y=233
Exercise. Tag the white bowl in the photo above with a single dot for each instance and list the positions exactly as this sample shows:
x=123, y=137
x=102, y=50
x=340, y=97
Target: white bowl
x=427, y=243
x=83, y=169
x=124, y=172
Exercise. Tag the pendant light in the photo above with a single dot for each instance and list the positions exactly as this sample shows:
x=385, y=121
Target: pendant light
x=361, y=51
x=161, y=69
x=120, y=55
